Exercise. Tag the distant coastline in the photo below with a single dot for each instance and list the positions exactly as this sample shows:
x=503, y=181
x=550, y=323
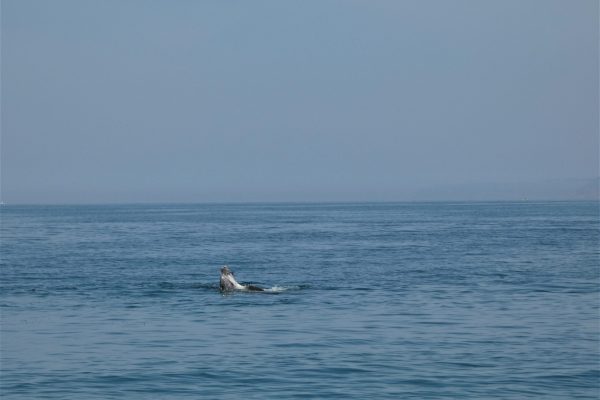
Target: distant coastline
x=549, y=190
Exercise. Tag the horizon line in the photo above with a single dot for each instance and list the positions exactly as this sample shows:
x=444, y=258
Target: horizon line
x=291, y=202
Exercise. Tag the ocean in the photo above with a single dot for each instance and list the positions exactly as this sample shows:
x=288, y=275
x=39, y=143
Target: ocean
x=492, y=300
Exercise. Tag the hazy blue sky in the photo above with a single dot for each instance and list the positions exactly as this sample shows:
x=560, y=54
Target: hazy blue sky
x=122, y=100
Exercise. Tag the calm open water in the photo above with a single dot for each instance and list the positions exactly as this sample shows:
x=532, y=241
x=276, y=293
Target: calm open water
x=413, y=300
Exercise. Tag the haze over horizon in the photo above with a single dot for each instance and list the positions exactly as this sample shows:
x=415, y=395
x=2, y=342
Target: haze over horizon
x=184, y=101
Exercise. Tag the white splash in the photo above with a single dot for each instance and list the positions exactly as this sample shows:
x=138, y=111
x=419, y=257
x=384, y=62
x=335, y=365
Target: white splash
x=279, y=289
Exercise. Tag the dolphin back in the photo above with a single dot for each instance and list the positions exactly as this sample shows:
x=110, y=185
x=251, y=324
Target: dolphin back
x=253, y=288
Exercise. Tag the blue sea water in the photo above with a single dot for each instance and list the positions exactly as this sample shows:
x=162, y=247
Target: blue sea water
x=406, y=300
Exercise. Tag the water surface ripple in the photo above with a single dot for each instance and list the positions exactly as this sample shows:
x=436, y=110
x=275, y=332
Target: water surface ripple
x=406, y=300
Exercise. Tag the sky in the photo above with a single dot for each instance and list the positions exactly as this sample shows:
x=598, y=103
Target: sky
x=319, y=100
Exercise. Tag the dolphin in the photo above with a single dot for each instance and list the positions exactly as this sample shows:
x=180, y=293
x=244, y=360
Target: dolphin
x=228, y=282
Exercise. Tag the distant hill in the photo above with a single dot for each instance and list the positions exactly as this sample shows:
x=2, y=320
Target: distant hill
x=556, y=189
